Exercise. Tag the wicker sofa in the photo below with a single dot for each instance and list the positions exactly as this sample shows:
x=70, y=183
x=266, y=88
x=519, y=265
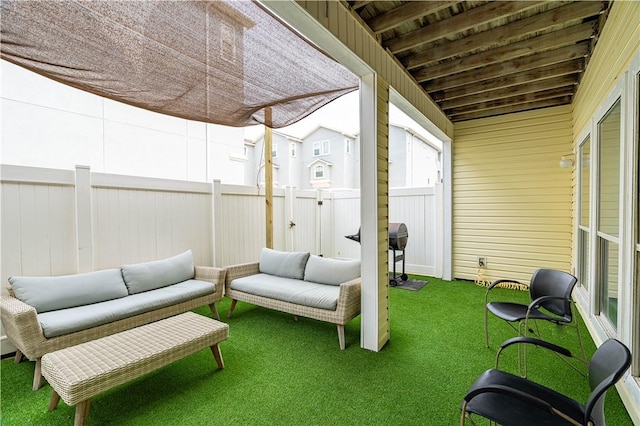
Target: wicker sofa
x=300, y=284
x=44, y=314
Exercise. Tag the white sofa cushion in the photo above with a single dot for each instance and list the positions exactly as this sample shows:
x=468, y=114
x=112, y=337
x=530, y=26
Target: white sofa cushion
x=66, y=291
x=289, y=290
x=331, y=271
x=147, y=276
x=284, y=264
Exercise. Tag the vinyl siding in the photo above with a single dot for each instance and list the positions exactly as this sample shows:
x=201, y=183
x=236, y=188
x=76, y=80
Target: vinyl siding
x=383, y=211
x=341, y=23
x=512, y=202
x=619, y=41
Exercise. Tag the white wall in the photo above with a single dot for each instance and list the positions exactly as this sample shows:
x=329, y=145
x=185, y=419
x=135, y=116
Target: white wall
x=48, y=124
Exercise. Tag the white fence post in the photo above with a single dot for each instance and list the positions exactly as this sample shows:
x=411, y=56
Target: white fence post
x=216, y=220
x=439, y=219
x=289, y=224
x=84, y=219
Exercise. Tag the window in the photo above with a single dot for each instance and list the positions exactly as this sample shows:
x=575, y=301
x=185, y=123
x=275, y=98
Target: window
x=227, y=42
x=321, y=148
x=292, y=150
x=274, y=151
x=318, y=172
x=609, y=212
x=584, y=173
x=347, y=146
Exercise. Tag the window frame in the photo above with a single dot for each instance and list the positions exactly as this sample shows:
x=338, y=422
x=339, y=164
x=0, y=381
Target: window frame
x=583, y=271
x=319, y=148
x=598, y=238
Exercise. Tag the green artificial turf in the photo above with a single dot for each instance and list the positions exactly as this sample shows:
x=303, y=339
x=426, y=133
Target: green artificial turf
x=279, y=371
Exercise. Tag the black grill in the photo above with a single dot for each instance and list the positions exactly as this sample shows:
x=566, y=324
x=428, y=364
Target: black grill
x=398, y=237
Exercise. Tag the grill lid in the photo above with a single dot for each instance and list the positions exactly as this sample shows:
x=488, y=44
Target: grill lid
x=398, y=236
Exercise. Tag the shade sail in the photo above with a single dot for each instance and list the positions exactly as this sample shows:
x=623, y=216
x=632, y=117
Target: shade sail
x=211, y=61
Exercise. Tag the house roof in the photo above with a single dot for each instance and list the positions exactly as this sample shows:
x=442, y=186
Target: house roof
x=485, y=58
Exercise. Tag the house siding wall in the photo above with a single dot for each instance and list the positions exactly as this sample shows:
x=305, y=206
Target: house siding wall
x=512, y=202
x=619, y=41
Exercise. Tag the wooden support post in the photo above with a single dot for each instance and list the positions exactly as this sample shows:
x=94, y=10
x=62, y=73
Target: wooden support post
x=268, y=177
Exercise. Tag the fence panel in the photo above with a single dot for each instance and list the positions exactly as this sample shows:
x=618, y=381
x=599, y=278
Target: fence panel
x=38, y=223
x=135, y=219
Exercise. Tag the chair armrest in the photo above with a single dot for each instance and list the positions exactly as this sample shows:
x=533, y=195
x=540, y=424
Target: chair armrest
x=20, y=323
x=213, y=275
x=494, y=284
x=241, y=270
x=536, y=303
x=537, y=342
x=349, y=300
x=509, y=391
x=532, y=341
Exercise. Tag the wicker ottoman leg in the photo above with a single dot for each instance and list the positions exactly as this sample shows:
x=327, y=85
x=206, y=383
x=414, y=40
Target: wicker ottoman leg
x=18, y=358
x=215, y=349
x=82, y=412
x=37, y=375
x=53, y=402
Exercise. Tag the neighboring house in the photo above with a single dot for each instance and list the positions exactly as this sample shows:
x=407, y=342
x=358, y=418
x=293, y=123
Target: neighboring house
x=324, y=158
x=413, y=160
x=331, y=159
x=286, y=160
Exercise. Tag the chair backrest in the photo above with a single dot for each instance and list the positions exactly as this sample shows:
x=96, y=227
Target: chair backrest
x=551, y=282
x=606, y=367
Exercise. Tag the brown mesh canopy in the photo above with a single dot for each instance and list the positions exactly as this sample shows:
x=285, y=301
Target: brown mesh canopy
x=212, y=61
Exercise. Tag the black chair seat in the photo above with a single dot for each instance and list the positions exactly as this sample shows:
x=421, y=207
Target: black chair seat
x=514, y=312
x=507, y=410
x=510, y=400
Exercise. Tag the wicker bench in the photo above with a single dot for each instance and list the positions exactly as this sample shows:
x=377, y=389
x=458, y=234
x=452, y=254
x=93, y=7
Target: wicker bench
x=80, y=372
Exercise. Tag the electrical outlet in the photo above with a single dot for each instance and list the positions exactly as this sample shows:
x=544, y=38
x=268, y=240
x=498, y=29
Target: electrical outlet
x=482, y=262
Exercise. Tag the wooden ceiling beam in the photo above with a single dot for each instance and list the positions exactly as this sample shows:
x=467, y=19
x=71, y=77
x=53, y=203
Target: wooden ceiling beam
x=511, y=80
x=404, y=13
x=513, y=108
x=360, y=4
x=549, y=41
x=513, y=100
x=514, y=30
x=478, y=16
x=506, y=92
x=517, y=65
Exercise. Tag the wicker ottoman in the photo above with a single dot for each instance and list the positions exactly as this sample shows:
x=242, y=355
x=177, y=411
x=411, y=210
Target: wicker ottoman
x=80, y=372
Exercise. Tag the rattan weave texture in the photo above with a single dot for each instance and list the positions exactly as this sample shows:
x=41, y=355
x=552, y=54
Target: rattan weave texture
x=348, y=300
x=80, y=372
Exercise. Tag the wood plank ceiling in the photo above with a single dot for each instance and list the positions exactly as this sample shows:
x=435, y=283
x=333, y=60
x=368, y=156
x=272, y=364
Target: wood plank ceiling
x=485, y=58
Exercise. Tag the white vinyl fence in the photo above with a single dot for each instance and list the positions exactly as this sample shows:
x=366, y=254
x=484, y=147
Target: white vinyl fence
x=57, y=222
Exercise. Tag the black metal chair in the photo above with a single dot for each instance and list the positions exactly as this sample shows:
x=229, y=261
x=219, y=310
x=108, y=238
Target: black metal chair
x=550, y=292
x=510, y=400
